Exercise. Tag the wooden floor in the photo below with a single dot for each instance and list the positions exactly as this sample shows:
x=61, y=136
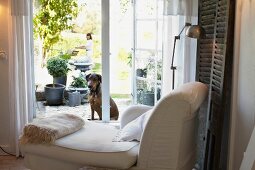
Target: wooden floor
x=11, y=163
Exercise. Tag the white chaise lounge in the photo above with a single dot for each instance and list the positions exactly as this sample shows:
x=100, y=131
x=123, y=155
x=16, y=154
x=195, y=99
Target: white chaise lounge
x=168, y=141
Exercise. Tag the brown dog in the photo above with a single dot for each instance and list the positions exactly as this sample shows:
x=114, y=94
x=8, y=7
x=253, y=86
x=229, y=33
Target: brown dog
x=95, y=97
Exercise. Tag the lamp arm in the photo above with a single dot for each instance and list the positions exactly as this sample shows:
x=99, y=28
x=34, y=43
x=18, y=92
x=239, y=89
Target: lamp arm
x=181, y=31
x=172, y=63
x=173, y=68
x=177, y=38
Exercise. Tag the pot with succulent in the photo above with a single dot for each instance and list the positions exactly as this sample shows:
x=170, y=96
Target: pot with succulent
x=79, y=84
x=58, y=69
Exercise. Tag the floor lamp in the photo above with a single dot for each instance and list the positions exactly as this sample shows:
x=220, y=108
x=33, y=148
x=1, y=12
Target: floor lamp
x=193, y=31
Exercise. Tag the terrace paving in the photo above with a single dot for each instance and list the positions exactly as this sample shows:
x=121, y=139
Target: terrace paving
x=82, y=110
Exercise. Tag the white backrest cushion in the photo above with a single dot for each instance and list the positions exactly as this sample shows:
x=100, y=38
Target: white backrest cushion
x=194, y=93
x=134, y=129
x=131, y=113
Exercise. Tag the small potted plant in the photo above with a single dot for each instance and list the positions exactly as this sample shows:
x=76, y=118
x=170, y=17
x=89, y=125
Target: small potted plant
x=145, y=93
x=141, y=72
x=148, y=94
x=79, y=84
x=57, y=68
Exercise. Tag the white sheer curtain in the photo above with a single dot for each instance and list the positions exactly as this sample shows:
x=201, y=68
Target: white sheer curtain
x=21, y=68
x=176, y=14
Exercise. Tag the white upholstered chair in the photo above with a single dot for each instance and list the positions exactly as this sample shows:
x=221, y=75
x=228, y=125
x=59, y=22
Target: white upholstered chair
x=168, y=141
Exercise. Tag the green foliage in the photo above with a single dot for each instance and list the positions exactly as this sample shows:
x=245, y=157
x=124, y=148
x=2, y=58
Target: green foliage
x=159, y=67
x=71, y=40
x=52, y=18
x=91, y=17
x=129, y=59
x=123, y=75
x=97, y=68
x=65, y=56
x=79, y=82
x=92, y=24
x=57, y=67
x=97, y=49
x=125, y=56
x=121, y=96
x=124, y=4
x=66, y=44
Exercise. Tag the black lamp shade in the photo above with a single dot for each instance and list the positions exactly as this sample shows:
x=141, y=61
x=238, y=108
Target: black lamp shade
x=195, y=31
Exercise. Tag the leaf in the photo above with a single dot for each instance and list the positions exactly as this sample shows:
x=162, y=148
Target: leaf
x=53, y=17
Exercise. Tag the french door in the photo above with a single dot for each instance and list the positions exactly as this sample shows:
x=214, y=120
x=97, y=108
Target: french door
x=147, y=51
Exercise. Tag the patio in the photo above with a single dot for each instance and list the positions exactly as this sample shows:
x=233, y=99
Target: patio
x=42, y=78
x=82, y=110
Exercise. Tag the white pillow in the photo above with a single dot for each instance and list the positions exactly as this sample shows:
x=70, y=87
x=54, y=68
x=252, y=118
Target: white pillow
x=134, y=129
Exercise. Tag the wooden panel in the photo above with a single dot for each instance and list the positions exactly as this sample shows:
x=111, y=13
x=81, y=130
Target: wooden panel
x=214, y=67
x=207, y=17
x=220, y=87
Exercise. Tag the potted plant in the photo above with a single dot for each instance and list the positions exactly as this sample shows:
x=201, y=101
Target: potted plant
x=79, y=84
x=148, y=94
x=141, y=72
x=54, y=93
x=58, y=68
x=145, y=93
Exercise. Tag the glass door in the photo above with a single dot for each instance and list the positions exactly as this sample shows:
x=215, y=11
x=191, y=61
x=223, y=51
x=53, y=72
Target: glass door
x=147, y=51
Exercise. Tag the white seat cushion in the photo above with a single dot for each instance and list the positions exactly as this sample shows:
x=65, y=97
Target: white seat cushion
x=92, y=145
x=95, y=137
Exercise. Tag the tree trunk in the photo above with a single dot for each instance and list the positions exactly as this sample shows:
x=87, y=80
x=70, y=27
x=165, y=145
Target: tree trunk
x=44, y=52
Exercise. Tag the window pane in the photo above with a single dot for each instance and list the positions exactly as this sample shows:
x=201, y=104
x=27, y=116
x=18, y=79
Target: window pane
x=146, y=8
x=160, y=34
x=148, y=50
x=145, y=80
x=160, y=9
x=146, y=34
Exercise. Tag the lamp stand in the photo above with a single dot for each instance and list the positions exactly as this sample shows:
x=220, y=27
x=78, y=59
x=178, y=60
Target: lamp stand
x=173, y=68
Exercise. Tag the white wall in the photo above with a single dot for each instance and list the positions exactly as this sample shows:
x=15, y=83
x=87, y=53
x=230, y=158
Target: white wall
x=4, y=78
x=243, y=98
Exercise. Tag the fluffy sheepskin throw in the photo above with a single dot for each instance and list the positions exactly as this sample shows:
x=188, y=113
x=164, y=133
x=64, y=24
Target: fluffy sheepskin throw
x=48, y=129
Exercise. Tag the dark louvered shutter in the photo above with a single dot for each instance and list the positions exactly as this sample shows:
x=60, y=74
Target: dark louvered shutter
x=207, y=15
x=207, y=12
x=220, y=78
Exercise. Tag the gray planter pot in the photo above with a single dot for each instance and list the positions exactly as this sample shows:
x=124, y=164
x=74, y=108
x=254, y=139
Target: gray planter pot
x=148, y=98
x=83, y=92
x=60, y=80
x=74, y=99
x=141, y=72
x=54, y=95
